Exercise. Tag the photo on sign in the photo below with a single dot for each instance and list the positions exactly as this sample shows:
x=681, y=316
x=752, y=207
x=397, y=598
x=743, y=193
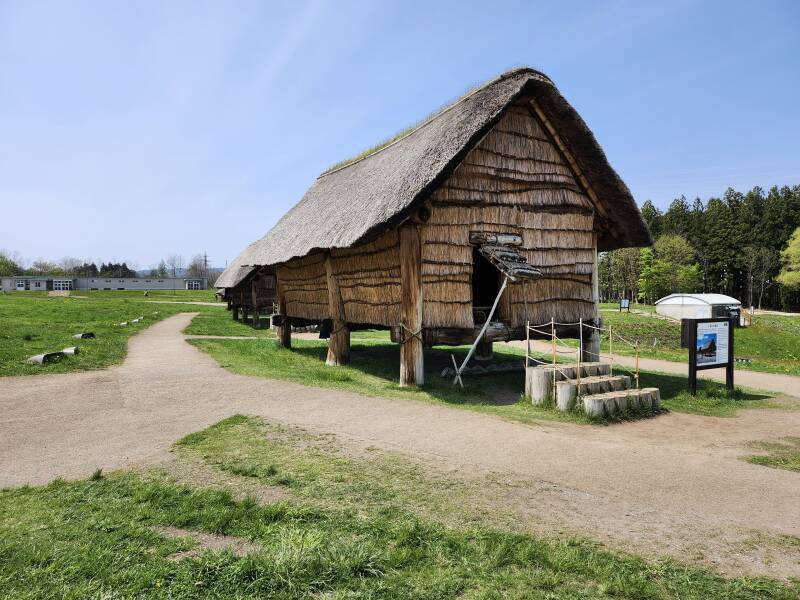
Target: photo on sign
x=706, y=348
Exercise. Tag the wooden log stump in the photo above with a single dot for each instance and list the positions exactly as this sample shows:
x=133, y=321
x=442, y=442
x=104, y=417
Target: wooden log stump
x=622, y=403
x=634, y=403
x=645, y=400
x=594, y=406
x=589, y=370
x=538, y=385
x=603, y=369
x=655, y=398
x=566, y=395
x=235, y=312
x=611, y=404
x=412, y=362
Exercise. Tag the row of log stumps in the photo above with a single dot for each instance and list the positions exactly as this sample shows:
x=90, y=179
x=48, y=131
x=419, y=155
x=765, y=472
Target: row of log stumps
x=589, y=387
x=50, y=357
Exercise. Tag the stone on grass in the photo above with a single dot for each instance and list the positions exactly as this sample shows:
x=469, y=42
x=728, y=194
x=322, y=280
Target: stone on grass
x=70, y=350
x=44, y=359
x=83, y=336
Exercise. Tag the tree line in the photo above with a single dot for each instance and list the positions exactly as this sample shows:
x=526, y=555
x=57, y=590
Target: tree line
x=742, y=245
x=171, y=266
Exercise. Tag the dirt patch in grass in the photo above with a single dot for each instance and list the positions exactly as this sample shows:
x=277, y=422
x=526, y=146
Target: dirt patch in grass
x=206, y=541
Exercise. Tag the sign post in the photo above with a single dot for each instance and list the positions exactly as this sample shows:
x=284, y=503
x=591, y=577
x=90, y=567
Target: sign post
x=710, y=343
x=624, y=303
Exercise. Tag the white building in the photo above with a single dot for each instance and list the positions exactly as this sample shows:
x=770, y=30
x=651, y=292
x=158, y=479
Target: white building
x=698, y=306
x=43, y=283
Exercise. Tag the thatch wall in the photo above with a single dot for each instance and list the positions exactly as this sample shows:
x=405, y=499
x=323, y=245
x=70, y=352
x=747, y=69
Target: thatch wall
x=369, y=280
x=513, y=181
x=304, y=285
x=368, y=276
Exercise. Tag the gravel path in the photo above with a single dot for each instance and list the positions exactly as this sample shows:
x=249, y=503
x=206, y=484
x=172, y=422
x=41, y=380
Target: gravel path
x=656, y=486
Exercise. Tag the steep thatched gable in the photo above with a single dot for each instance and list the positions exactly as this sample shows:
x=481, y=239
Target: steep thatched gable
x=350, y=204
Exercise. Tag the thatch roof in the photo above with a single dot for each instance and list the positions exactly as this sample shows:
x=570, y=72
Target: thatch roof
x=351, y=203
x=234, y=273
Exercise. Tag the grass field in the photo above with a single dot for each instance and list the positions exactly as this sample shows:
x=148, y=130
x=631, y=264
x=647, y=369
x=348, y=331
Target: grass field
x=168, y=295
x=219, y=322
x=31, y=325
x=348, y=528
x=772, y=341
x=374, y=371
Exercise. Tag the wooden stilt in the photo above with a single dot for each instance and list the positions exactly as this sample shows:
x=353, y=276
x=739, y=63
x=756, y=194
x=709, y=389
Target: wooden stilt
x=591, y=349
x=254, y=302
x=484, y=351
x=412, y=365
x=285, y=328
x=339, y=341
x=235, y=312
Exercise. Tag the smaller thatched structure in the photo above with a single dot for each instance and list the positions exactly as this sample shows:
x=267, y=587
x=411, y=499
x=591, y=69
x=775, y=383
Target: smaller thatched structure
x=248, y=290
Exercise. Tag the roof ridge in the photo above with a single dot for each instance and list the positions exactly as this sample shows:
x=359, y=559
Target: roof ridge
x=503, y=76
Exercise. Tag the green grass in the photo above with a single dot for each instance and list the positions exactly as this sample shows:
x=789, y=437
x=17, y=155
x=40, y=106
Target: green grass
x=99, y=538
x=374, y=371
x=171, y=295
x=772, y=341
x=31, y=325
x=780, y=455
x=220, y=323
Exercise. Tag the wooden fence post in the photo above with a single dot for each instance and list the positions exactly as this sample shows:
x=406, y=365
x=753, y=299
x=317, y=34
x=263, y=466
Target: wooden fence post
x=339, y=342
x=412, y=362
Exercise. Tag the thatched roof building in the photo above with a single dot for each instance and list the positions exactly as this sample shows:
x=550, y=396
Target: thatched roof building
x=418, y=234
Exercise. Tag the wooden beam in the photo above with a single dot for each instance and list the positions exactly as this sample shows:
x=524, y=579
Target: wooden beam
x=285, y=328
x=235, y=312
x=412, y=363
x=339, y=341
x=569, y=158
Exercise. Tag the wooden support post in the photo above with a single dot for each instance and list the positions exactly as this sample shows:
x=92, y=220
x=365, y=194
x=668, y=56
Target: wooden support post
x=591, y=349
x=235, y=312
x=285, y=328
x=254, y=302
x=339, y=341
x=244, y=314
x=412, y=365
x=484, y=351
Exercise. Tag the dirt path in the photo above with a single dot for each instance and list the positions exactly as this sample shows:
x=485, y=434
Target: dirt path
x=773, y=382
x=656, y=486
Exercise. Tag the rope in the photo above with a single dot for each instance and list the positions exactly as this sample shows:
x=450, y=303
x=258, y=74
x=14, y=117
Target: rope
x=414, y=334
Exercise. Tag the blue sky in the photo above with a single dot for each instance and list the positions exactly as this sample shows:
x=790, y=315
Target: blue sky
x=130, y=130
